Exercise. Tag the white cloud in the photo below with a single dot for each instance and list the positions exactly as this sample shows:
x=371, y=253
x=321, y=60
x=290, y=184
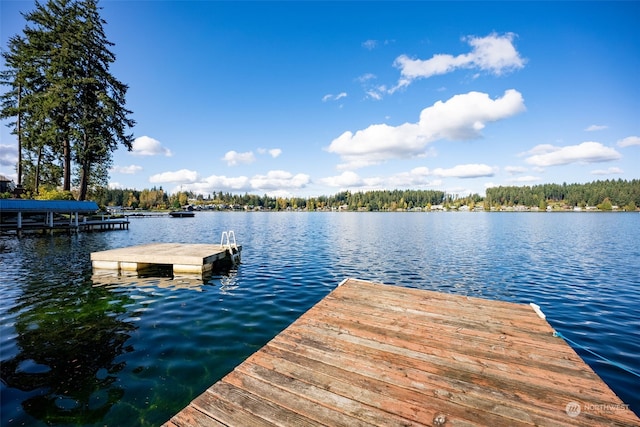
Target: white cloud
x=416, y=178
x=629, y=141
x=586, y=152
x=494, y=53
x=220, y=183
x=275, y=152
x=344, y=180
x=370, y=44
x=279, y=179
x=331, y=97
x=594, y=128
x=147, y=146
x=460, y=117
x=539, y=149
x=374, y=94
x=526, y=178
x=183, y=176
x=464, y=116
x=609, y=171
x=11, y=176
x=233, y=158
x=514, y=170
x=8, y=155
x=276, y=182
x=371, y=89
x=366, y=77
x=465, y=171
x=128, y=170
x=421, y=171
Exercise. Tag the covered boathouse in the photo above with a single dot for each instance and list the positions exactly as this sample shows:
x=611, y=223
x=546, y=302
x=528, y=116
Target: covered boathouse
x=18, y=215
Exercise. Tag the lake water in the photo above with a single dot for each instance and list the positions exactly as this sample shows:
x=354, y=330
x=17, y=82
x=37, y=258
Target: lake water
x=84, y=349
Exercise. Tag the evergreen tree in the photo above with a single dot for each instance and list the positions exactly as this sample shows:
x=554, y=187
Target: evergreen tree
x=14, y=76
x=103, y=119
x=69, y=109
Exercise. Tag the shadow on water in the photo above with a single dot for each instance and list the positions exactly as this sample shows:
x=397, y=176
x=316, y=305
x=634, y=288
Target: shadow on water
x=68, y=340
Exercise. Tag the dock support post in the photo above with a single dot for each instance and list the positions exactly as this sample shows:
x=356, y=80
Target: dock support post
x=19, y=224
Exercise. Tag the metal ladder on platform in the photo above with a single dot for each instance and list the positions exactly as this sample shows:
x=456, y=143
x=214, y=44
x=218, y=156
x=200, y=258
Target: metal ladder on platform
x=228, y=241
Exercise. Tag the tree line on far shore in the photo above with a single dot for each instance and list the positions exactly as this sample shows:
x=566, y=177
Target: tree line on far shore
x=157, y=198
x=604, y=195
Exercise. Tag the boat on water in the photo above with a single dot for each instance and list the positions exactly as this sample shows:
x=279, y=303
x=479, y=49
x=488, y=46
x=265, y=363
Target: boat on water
x=181, y=214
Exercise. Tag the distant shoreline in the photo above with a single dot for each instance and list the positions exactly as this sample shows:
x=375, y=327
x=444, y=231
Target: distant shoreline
x=163, y=213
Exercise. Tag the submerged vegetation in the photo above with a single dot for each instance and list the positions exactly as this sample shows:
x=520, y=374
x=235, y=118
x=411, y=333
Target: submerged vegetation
x=603, y=195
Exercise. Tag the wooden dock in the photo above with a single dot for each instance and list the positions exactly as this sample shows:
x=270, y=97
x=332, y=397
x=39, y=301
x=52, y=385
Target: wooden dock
x=371, y=354
x=184, y=258
x=50, y=216
x=67, y=226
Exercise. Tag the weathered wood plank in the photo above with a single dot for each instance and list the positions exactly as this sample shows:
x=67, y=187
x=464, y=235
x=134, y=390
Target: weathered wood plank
x=370, y=354
x=389, y=368
x=162, y=253
x=191, y=417
x=429, y=306
x=312, y=402
x=441, y=381
x=396, y=405
x=497, y=347
x=455, y=362
x=233, y=406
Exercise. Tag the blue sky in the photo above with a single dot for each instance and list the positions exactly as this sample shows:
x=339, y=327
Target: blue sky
x=312, y=98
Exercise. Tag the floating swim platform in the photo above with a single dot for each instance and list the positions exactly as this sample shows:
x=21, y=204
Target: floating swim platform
x=373, y=354
x=184, y=258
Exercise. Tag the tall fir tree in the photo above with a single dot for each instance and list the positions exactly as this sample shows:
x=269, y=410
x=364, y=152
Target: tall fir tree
x=103, y=118
x=11, y=103
x=69, y=109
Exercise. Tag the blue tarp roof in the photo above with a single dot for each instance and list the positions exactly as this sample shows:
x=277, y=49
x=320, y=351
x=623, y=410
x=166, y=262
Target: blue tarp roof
x=59, y=206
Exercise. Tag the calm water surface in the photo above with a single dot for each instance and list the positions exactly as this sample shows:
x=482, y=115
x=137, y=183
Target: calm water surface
x=84, y=349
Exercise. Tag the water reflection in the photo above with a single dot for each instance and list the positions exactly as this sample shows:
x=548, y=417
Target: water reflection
x=68, y=339
x=163, y=277
x=229, y=282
